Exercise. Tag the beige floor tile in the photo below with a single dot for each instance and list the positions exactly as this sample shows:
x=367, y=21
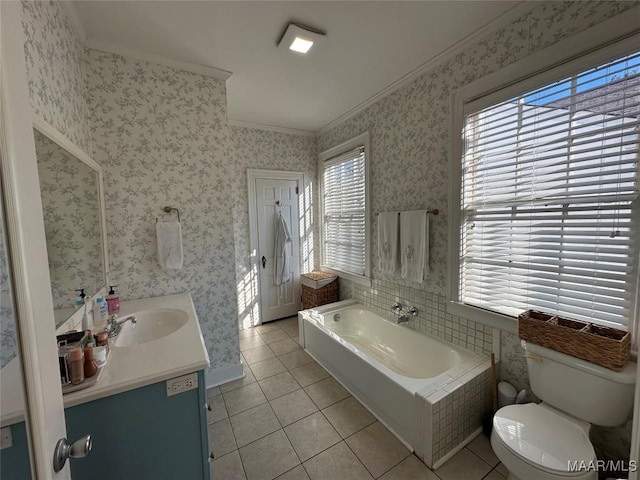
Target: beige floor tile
x=502, y=470
x=410, y=468
x=295, y=359
x=247, y=343
x=288, y=322
x=464, y=465
x=377, y=448
x=241, y=382
x=293, y=332
x=336, y=463
x=259, y=354
x=309, y=373
x=311, y=435
x=216, y=409
x=275, y=336
x=327, y=392
x=228, y=467
x=247, y=332
x=267, y=368
x=221, y=438
x=297, y=473
x=243, y=398
x=481, y=446
x=253, y=424
x=213, y=392
x=348, y=416
x=269, y=457
x=267, y=327
x=278, y=385
x=494, y=475
x=284, y=346
x=292, y=407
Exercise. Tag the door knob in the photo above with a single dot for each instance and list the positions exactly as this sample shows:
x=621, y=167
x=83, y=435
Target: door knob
x=264, y=262
x=78, y=449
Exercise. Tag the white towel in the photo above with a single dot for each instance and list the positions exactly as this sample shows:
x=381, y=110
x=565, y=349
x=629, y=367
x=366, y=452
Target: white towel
x=282, y=254
x=388, y=241
x=414, y=245
x=169, y=235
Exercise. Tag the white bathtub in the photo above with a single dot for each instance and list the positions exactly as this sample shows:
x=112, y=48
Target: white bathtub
x=403, y=376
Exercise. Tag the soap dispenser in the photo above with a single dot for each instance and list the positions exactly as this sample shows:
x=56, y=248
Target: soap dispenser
x=113, y=301
x=80, y=300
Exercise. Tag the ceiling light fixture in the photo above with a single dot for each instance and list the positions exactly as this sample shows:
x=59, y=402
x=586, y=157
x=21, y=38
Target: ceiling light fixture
x=299, y=39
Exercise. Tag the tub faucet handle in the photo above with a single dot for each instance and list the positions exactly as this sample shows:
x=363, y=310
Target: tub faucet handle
x=396, y=308
x=413, y=311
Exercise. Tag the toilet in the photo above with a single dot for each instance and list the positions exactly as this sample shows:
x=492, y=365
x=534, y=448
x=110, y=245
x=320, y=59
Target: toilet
x=550, y=440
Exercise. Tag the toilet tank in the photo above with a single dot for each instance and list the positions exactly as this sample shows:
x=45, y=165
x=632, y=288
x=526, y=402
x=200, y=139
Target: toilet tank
x=582, y=389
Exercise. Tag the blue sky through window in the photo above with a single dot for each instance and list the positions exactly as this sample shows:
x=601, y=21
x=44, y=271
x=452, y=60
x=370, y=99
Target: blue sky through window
x=587, y=80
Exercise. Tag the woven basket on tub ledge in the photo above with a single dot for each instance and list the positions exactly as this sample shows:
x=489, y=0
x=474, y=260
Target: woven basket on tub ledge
x=608, y=347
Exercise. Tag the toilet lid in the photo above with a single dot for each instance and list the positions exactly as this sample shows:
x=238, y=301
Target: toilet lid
x=544, y=438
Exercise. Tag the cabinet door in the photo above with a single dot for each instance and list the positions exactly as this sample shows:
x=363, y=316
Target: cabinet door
x=144, y=434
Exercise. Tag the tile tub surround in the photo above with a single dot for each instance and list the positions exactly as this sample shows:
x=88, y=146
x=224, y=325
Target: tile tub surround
x=432, y=318
x=293, y=437
x=416, y=405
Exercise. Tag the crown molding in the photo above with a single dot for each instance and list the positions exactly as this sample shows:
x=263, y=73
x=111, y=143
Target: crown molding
x=271, y=128
x=159, y=59
x=74, y=18
x=503, y=20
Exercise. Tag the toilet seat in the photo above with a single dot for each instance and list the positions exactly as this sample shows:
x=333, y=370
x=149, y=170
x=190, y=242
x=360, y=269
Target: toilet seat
x=545, y=439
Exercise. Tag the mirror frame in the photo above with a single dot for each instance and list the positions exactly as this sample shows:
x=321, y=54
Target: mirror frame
x=55, y=136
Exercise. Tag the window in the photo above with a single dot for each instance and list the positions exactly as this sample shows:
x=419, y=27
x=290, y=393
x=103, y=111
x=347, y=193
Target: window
x=549, y=198
x=345, y=223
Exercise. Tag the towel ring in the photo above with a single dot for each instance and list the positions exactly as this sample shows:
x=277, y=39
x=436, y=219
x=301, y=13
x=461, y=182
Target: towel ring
x=169, y=210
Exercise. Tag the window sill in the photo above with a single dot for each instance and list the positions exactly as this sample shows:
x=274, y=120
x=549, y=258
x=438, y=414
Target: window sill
x=485, y=317
x=348, y=276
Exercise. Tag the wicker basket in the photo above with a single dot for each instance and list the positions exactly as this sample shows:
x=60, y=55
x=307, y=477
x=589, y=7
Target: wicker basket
x=314, y=296
x=608, y=347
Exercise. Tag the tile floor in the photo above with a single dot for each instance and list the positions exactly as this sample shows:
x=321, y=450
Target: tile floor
x=289, y=419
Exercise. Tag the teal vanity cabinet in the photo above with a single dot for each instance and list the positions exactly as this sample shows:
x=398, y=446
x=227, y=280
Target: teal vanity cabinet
x=143, y=434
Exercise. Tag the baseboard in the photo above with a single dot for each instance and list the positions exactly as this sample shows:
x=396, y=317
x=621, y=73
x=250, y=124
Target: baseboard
x=216, y=377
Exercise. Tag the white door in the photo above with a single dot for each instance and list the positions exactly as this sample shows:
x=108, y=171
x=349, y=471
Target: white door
x=29, y=264
x=275, y=198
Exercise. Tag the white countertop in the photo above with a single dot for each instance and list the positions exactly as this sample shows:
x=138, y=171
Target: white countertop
x=128, y=368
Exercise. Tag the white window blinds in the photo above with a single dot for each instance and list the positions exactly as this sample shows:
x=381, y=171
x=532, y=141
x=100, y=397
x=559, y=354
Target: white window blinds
x=549, y=198
x=344, y=212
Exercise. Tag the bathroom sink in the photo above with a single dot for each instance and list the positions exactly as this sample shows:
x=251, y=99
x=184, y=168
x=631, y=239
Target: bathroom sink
x=150, y=325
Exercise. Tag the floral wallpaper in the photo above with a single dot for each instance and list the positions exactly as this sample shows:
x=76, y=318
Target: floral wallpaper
x=269, y=151
x=69, y=190
x=162, y=138
x=409, y=132
x=8, y=337
x=56, y=70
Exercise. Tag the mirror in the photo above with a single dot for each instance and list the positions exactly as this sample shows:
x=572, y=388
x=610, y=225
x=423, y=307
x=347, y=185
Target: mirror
x=70, y=188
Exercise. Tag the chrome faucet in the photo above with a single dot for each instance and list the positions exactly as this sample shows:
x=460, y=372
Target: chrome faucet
x=404, y=318
x=113, y=326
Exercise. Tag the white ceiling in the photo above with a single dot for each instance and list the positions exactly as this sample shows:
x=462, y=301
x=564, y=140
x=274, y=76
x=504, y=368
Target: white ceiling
x=369, y=46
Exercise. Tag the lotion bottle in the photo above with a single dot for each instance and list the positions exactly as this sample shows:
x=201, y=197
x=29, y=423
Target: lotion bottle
x=113, y=301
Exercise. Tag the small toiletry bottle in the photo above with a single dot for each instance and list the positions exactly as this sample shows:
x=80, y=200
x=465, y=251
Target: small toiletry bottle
x=86, y=324
x=76, y=365
x=113, y=301
x=102, y=339
x=90, y=365
x=101, y=314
